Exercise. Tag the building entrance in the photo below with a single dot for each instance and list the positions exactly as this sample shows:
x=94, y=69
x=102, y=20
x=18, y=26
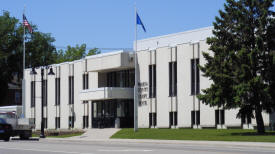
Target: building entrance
x=106, y=112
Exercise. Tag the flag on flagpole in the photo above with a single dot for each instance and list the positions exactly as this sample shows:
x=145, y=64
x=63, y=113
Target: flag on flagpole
x=139, y=22
x=26, y=23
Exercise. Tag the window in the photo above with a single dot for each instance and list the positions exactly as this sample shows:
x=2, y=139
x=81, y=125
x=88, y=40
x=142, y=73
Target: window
x=246, y=119
x=71, y=121
x=195, y=118
x=172, y=79
x=173, y=118
x=219, y=117
x=195, y=76
x=32, y=93
x=45, y=122
x=57, y=91
x=152, y=81
x=71, y=89
x=150, y=120
x=45, y=92
x=125, y=78
x=154, y=119
x=198, y=121
x=85, y=121
x=85, y=80
x=57, y=122
x=111, y=79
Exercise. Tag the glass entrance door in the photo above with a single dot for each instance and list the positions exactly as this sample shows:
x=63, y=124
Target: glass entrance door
x=104, y=113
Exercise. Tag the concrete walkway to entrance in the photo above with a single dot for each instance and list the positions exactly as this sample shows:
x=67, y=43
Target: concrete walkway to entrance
x=96, y=134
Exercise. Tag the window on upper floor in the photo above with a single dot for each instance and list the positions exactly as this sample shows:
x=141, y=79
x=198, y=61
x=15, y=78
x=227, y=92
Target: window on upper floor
x=172, y=79
x=152, y=81
x=85, y=81
x=124, y=78
x=45, y=92
x=32, y=93
x=195, y=76
x=71, y=89
x=57, y=91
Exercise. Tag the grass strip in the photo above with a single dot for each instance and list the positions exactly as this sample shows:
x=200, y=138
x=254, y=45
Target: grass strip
x=196, y=134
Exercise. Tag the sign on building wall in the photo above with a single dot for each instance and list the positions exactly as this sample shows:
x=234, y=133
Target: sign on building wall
x=143, y=93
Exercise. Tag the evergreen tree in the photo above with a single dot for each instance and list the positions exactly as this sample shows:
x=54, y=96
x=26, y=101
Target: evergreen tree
x=241, y=64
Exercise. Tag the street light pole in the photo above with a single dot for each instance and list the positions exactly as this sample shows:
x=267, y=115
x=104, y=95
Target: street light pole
x=42, y=134
x=33, y=72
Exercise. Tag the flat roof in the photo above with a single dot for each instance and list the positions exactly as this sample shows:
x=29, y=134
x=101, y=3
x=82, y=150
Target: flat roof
x=174, y=39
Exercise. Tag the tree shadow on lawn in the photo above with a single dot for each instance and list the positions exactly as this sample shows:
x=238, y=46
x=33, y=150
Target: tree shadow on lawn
x=253, y=134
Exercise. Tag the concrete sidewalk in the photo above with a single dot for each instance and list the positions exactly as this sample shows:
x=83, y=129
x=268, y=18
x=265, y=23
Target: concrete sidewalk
x=96, y=134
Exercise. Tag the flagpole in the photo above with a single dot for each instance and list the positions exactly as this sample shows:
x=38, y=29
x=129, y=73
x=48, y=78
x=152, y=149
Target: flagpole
x=23, y=78
x=136, y=85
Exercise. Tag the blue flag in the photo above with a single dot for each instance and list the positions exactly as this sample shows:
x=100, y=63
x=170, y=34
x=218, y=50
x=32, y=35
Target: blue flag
x=139, y=22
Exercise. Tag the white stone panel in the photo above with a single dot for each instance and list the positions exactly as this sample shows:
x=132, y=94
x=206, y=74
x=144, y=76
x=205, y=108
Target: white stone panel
x=163, y=59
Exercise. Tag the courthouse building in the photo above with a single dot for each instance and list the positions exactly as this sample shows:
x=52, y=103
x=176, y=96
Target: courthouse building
x=98, y=91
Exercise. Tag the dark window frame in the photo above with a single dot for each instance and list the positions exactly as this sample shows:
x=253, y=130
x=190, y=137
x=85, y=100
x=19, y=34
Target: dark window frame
x=71, y=89
x=154, y=119
x=173, y=79
x=33, y=93
x=150, y=120
x=220, y=117
x=152, y=80
x=57, y=91
x=195, y=79
x=57, y=122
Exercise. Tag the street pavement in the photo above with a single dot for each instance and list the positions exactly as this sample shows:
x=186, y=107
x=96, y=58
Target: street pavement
x=110, y=146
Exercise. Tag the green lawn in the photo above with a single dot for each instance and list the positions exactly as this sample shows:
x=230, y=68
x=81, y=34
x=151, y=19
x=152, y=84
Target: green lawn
x=196, y=134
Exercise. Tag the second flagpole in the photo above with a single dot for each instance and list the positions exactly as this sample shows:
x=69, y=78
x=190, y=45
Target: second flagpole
x=136, y=85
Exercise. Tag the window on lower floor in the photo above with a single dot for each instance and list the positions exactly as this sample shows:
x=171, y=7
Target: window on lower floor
x=85, y=121
x=45, y=122
x=173, y=118
x=57, y=122
x=71, y=121
x=195, y=118
x=150, y=120
x=154, y=119
x=219, y=117
x=246, y=119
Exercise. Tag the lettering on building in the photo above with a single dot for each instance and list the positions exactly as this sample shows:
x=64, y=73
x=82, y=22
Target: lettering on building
x=143, y=90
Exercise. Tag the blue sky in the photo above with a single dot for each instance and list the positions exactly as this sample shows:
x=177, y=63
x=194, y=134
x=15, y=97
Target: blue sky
x=110, y=23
